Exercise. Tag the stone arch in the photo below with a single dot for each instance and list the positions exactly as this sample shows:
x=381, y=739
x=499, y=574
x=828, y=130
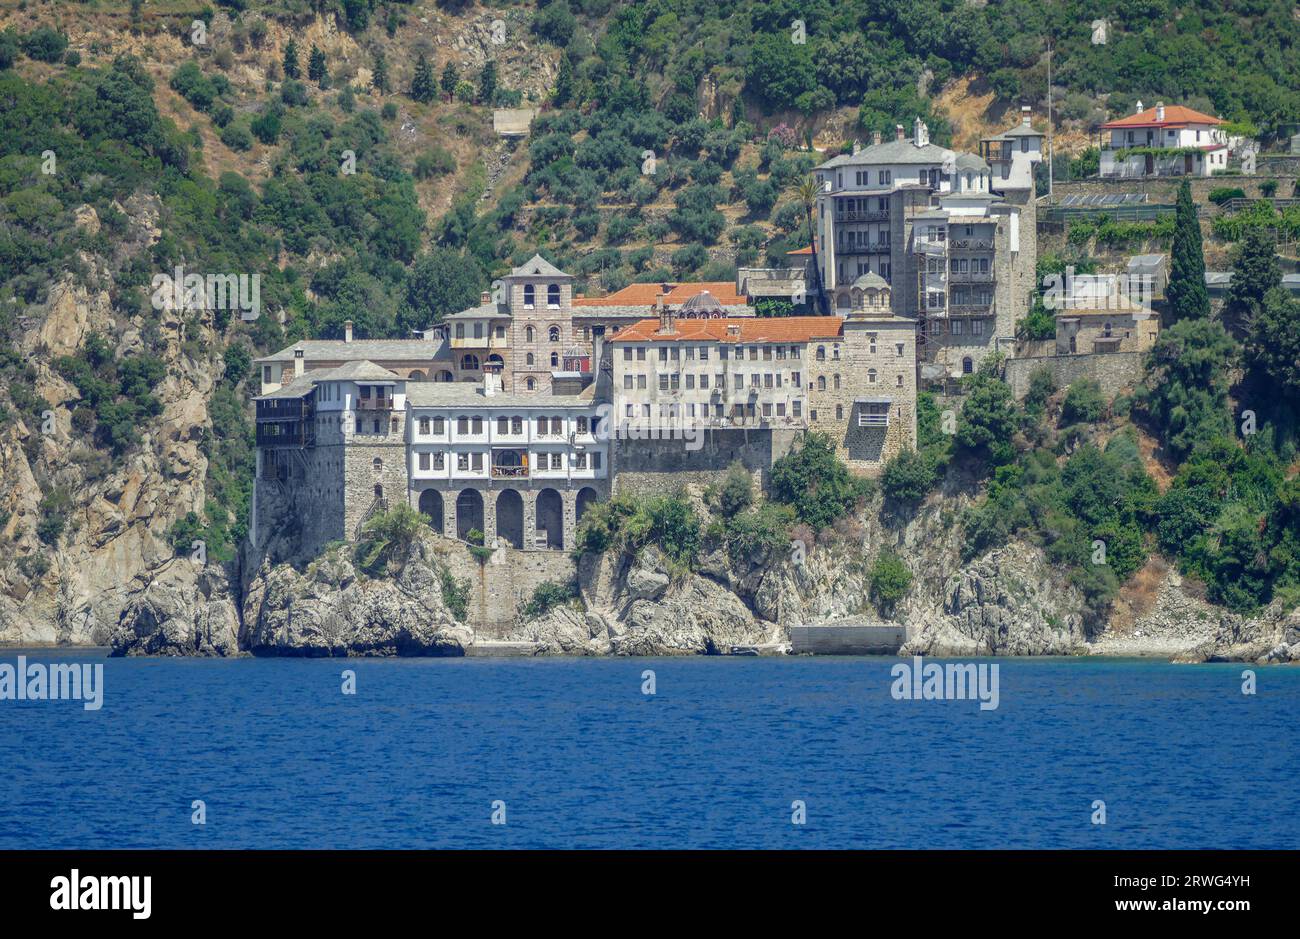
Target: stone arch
x=469, y=362
x=495, y=361
x=550, y=519
x=469, y=512
x=444, y=375
x=510, y=517
x=431, y=507
x=586, y=499
x=967, y=365
x=415, y=375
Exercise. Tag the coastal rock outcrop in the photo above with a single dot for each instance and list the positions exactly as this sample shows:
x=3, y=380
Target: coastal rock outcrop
x=331, y=609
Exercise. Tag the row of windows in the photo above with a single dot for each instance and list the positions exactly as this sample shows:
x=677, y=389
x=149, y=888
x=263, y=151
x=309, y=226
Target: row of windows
x=552, y=296
x=474, y=462
x=955, y=328
x=677, y=353
x=689, y=409
x=545, y=426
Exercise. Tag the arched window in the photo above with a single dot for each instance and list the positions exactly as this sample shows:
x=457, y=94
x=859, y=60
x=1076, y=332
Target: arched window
x=530, y=385
x=553, y=334
x=529, y=359
x=837, y=380
x=967, y=365
x=871, y=377
x=553, y=296
x=821, y=353
x=1105, y=330
x=469, y=362
x=821, y=382
x=555, y=360
x=378, y=466
x=530, y=334
x=529, y=296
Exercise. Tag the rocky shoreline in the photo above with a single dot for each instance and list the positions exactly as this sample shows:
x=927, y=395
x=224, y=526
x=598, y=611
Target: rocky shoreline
x=1008, y=602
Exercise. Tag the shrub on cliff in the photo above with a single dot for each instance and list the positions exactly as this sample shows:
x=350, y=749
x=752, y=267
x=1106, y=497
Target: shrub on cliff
x=908, y=476
x=386, y=538
x=548, y=595
x=631, y=522
x=816, y=483
x=890, y=581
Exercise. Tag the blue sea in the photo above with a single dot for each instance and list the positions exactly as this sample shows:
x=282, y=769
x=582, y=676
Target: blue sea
x=576, y=756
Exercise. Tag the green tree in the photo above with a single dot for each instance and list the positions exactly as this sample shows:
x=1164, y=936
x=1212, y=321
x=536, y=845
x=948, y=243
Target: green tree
x=890, y=580
x=988, y=416
x=1186, y=292
x=1272, y=349
x=423, y=87
x=1185, y=392
x=1255, y=272
x=450, y=77
x=736, y=493
x=487, y=83
x=379, y=79
x=440, y=282
x=291, y=67
x=563, y=82
x=908, y=477
x=316, y=68
x=816, y=482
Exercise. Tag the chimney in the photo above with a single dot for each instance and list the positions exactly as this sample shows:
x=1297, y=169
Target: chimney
x=1140, y=106
x=1160, y=110
x=667, y=324
x=857, y=148
x=1024, y=115
x=298, y=361
x=485, y=297
x=875, y=138
x=920, y=133
x=490, y=380
x=347, y=330
x=898, y=131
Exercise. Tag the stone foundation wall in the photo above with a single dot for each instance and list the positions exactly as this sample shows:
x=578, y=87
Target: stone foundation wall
x=502, y=585
x=664, y=466
x=1114, y=371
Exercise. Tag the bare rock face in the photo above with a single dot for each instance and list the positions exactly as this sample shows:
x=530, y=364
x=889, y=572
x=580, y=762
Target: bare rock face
x=175, y=613
x=1008, y=602
x=638, y=605
x=330, y=609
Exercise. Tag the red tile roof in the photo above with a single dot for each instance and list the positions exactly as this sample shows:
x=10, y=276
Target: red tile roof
x=724, y=291
x=1175, y=116
x=752, y=329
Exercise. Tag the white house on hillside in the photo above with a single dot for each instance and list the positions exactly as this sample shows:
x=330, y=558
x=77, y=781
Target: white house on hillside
x=1165, y=141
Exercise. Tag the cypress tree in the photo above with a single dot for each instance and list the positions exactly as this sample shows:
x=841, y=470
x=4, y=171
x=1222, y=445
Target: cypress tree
x=1188, y=298
x=291, y=60
x=379, y=74
x=423, y=86
x=450, y=77
x=316, y=65
x=1255, y=272
x=487, y=83
x=564, y=82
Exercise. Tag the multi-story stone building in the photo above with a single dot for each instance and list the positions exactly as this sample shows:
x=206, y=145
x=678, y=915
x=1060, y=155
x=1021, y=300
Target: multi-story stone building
x=336, y=446
x=745, y=388
x=952, y=238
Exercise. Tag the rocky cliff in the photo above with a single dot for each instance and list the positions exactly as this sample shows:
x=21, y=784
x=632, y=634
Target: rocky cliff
x=1010, y=601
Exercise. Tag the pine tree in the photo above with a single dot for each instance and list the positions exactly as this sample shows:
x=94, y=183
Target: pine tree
x=423, y=86
x=379, y=74
x=487, y=83
x=316, y=70
x=564, y=82
x=1255, y=272
x=1188, y=298
x=450, y=76
x=291, y=60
